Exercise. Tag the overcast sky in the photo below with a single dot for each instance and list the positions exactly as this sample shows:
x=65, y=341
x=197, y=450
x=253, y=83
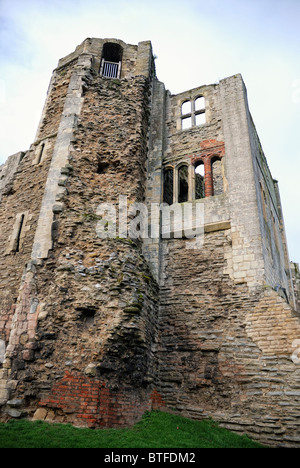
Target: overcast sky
x=196, y=42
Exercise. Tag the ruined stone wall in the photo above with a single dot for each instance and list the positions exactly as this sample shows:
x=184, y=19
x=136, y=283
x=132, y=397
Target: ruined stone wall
x=96, y=330
x=225, y=352
x=25, y=176
x=23, y=198
x=7, y=172
x=225, y=136
x=276, y=263
x=226, y=337
x=182, y=143
x=88, y=312
x=296, y=283
x=55, y=102
x=20, y=210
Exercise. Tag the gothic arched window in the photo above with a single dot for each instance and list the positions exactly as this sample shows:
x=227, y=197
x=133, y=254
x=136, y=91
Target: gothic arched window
x=199, y=180
x=183, y=184
x=199, y=106
x=216, y=166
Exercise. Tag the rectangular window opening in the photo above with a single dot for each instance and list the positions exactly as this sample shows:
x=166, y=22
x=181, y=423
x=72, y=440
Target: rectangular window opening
x=186, y=123
x=200, y=119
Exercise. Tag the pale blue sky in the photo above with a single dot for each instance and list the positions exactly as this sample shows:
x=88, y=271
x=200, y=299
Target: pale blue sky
x=196, y=41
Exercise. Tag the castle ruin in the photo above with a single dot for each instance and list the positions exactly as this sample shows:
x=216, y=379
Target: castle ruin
x=95, y=330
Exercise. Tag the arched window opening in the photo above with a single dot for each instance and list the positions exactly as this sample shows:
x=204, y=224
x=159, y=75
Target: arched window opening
x=200, y=103
x=199, y=106
x=186, y=112
x=186, y=108
x=218, y=186
x=111, y=60
x=199, y=181
x=112, y=52
x=183, y=184
x=168, y=190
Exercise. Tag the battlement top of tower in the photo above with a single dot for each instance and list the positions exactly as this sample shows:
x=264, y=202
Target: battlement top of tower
x=94, y=46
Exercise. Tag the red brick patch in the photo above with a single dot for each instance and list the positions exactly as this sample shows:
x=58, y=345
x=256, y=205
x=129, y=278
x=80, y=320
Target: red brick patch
x=91, y=403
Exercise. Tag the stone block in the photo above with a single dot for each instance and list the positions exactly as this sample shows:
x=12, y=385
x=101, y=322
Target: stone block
x=40, y=414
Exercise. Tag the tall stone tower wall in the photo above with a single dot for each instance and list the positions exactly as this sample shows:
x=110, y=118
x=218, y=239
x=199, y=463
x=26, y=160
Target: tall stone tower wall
x=97, y=329
x=82, y=302
x=228, y=326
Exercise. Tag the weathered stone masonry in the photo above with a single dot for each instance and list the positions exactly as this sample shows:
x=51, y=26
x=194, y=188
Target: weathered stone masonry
x=97, y=331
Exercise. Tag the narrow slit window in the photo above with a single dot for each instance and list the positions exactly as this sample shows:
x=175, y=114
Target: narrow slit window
x=183, y=185
x=42, y=149
x=275, y=232
x=18, y=234
x=168, y=186
x=264, y=201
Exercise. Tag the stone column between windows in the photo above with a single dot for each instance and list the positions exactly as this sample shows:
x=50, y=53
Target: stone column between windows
x=208, y=178
x=175, y=186
x=191, y=182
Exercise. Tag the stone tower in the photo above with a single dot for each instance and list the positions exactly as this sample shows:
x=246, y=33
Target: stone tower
x=96, y=329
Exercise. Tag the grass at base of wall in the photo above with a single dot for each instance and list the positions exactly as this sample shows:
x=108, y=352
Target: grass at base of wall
x=155, y=430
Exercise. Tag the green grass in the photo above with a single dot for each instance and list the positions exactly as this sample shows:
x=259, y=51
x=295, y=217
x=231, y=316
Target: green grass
x=156, y=430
